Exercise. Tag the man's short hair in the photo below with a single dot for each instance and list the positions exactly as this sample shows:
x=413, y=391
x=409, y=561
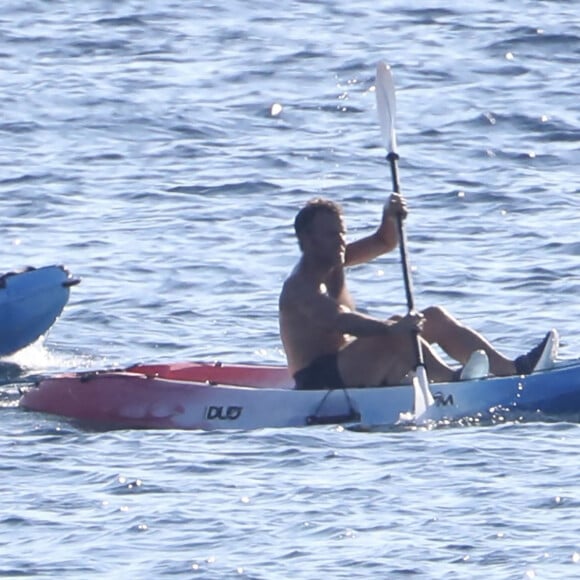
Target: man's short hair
x=307, y=214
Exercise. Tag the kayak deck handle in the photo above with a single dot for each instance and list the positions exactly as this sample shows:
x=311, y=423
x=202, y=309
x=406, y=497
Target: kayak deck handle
x=351, y=416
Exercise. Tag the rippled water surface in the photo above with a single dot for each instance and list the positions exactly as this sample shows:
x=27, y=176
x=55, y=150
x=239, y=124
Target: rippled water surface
x=160, y=150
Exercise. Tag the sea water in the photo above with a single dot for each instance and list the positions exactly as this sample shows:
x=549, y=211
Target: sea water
x=161, y=150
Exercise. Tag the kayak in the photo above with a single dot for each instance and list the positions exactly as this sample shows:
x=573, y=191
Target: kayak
x=30, y=302
x=244, y=396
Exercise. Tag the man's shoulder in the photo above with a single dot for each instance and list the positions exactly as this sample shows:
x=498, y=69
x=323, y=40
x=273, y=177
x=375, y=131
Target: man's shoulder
x=297, y=288
x=296, y=276
x=292, y=286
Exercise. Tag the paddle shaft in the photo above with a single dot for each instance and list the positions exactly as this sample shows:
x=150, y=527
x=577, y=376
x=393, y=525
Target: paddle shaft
x=386, y=107
x=393, y=159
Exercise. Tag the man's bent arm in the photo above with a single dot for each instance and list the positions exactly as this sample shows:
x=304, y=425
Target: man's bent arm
x=384, y=240
x=367, y=249
x=359, y=325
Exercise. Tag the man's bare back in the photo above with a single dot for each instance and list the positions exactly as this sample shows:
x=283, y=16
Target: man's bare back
x=304, y=335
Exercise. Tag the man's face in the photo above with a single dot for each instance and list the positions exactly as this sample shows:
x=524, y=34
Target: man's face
x=325, y=239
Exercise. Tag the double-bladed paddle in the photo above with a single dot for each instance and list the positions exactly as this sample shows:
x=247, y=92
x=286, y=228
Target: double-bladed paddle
x=386, y=107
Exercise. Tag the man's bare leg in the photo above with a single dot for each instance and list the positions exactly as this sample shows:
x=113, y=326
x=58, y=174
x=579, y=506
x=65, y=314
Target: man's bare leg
x=459, y=341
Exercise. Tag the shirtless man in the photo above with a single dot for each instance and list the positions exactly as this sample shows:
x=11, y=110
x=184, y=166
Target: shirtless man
x=329, y=344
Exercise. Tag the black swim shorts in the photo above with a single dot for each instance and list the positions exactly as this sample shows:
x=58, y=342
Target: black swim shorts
x=322, y=373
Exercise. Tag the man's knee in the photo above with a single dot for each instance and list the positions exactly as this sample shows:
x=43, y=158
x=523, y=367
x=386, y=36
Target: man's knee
x=438, y=323
x=437, y=314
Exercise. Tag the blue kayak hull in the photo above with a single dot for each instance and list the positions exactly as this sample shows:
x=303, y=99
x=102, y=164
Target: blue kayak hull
x=30, y=303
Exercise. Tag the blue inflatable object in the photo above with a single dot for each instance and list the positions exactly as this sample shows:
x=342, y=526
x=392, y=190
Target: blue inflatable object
x=30, y=302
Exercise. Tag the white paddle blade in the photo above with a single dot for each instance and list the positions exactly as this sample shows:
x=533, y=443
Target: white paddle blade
x=424, y=392
x=424, y=409
x=386, y=105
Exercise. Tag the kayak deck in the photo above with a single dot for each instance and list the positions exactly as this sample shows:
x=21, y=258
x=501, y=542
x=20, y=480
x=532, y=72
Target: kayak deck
x=242, y=375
